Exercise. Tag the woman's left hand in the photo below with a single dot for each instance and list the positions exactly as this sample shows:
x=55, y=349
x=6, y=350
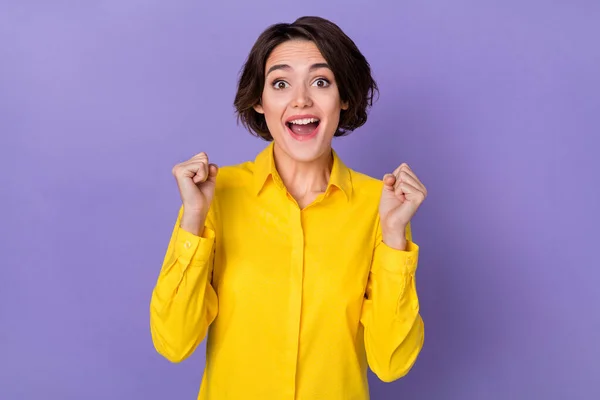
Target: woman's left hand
x=402, y=195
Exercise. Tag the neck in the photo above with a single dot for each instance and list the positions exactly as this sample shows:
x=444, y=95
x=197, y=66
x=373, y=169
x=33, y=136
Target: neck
x=303, y=178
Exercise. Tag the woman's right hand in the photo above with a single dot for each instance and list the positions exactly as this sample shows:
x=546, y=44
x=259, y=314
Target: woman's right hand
x=196, y=180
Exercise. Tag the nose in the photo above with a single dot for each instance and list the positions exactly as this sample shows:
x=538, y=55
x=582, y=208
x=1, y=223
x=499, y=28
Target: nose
x=301, y=97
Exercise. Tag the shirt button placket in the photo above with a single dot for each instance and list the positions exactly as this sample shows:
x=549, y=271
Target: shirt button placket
x=296, y=283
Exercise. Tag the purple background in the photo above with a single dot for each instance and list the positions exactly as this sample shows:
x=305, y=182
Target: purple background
x=494, y=104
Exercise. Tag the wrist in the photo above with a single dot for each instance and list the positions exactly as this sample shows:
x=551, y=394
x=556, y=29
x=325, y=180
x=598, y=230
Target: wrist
x=193, y=222
x=396, y=239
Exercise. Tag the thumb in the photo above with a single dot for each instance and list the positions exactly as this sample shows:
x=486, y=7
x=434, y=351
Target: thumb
x=213, y=170
x=388, y=181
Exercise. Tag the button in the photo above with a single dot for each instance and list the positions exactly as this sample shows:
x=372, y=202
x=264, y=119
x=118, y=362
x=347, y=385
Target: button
x=187, y=244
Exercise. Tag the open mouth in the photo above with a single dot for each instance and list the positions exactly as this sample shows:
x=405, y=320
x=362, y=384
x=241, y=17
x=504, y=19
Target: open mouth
x=303, y=126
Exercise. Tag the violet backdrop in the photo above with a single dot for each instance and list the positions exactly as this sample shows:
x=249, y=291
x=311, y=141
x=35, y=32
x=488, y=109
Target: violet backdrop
x=493, y=103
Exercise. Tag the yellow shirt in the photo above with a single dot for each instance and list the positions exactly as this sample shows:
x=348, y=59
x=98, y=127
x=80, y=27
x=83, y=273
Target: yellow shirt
x=296, y=302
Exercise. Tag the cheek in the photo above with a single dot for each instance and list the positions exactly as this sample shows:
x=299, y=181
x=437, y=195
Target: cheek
x=330, y=101
x=333, y=109
x=273, y=109
x=273, y=106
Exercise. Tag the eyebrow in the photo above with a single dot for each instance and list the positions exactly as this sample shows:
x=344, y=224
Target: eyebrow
x=286, y=67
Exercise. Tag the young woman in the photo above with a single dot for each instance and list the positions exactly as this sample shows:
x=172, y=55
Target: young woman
x=298, y=270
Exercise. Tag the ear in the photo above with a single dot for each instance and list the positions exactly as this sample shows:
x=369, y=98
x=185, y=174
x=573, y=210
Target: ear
x=259, y=108
x=345, y=105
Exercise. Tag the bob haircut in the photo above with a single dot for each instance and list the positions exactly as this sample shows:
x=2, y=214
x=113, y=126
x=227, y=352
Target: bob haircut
x=350, y=68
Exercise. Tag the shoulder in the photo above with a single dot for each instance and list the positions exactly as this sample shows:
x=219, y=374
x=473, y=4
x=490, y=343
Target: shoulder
x=365, y=186
x=230, y=174
x=234, y=176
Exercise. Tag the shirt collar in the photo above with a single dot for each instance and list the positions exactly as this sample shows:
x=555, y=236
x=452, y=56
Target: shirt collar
x=264, y=168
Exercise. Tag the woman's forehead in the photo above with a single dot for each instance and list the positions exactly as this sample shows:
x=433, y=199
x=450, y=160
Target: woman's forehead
x=295, y=53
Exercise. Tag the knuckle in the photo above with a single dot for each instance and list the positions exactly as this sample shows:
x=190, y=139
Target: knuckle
x=197, y=157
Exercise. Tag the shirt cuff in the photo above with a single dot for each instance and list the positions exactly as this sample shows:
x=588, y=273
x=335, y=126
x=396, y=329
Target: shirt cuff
x=396, y=261
x=195, y=248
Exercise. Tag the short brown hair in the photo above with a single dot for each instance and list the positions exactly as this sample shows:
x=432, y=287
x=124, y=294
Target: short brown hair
x=351, y=70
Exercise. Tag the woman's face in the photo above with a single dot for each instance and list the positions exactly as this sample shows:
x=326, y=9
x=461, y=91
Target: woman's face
x=300, y=100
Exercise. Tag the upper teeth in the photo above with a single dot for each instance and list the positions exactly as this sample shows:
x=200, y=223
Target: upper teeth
x=304, y=121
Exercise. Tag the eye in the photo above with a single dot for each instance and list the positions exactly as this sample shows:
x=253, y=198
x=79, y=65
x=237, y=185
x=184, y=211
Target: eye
x=321, y=82
x=280, y=85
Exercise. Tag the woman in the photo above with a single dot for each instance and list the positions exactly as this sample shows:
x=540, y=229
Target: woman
x=300, y=270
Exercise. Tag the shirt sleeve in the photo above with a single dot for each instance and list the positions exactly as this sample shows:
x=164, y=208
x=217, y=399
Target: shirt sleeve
x=183, y=302
x=393, y=327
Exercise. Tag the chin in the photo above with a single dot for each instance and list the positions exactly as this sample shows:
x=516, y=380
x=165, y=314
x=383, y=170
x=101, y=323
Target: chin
x=305, y=156
x=305, y=151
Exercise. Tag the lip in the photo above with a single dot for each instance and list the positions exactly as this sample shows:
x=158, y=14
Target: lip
x=303, y=116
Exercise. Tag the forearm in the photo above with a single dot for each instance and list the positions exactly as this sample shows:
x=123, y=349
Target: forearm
x=394, y=329
x=183, y=302
x=182, y=307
